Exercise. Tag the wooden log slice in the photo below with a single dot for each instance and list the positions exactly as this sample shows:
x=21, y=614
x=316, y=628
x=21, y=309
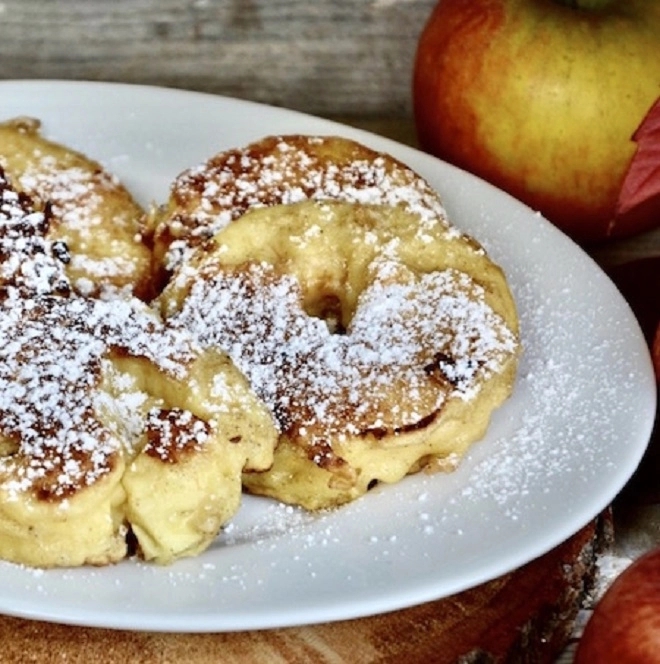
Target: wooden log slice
x=526, y=616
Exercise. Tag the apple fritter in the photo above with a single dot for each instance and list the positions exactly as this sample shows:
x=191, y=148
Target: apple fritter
x=110, y=419
x=381, y=345
x=280, y=170
x=92, y=212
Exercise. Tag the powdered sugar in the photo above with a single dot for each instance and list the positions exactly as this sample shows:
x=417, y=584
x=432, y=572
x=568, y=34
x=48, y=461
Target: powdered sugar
x=26, y=258
x=171, y=432
x=430, y=338
x=51, y=353
x=286, y=170
x=90, y=210
x=53, y=356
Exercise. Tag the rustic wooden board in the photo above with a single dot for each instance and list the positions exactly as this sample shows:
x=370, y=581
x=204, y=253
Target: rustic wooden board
x=326, y=57
x=525, y=616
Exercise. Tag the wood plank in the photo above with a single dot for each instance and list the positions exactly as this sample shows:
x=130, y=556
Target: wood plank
x=527, y=615
x=314, y=56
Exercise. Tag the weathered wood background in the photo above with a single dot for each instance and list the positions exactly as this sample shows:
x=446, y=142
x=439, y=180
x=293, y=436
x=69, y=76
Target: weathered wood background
x=327, y=57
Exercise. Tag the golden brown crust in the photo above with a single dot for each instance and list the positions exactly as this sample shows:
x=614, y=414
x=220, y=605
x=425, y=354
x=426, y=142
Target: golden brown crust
x=100, y=402
x=92, y=212
x=422, y=344
x=339, y=303
x=280, y=170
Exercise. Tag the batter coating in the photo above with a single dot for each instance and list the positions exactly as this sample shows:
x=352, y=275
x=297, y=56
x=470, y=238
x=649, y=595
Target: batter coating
x=380, y=344
x=110, y=419
x=92, y=212
x=281, y=170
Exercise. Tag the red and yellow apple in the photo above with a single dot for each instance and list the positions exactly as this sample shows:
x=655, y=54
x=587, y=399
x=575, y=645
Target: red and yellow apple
x=543, y=99
x=625, y=625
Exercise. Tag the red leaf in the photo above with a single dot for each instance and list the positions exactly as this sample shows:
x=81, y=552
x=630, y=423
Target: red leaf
x=642, y=180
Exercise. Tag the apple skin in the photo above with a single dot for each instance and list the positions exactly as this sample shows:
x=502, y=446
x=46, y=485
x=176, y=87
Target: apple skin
x=625, y=625
x=542, y=100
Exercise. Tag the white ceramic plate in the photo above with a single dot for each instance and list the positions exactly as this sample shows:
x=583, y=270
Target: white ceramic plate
x=556, y=454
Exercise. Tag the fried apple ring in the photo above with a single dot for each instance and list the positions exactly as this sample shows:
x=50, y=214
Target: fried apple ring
x=92, y=212
x=110, y=420
x=281, y=170
x=380, y=345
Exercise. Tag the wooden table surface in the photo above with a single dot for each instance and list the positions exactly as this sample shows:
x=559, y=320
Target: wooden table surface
x=525, y=616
